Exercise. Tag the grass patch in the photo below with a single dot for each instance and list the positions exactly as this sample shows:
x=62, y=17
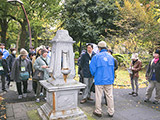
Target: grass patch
x=89, y=117
x=123, y=79
x=33, y=115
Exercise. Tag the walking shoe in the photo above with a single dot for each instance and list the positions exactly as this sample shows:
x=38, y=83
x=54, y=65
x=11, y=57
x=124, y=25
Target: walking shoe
x=135, y=94
x=80, y=93
x=25, y=95
x=41, y=94
x=131, y=93
x=110, y=115
x=90, y=99
x=45, y=98
x=19, y=96
x=97, y=114
x=37, y=100
x=155, y=102
x=83, y=101
x=146, y=100
x=4, y=90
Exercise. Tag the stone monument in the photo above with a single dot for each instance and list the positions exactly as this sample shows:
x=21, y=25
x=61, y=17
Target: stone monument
x=62, y=89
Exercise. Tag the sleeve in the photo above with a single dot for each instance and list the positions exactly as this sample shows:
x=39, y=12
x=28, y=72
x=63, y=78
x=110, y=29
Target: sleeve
x=82, y=61
x=9, y=60
x=92, y=66
x=115, y=64
x=29, y=66
x=14, y=65
x=37, y=65
x=148, y=69
x=5, y=65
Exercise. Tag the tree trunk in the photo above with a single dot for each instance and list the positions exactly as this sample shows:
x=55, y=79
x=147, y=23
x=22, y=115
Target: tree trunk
x=4, y=27
x=80, y=48
x=23, y=35
x=17, y=42
x=35, y=40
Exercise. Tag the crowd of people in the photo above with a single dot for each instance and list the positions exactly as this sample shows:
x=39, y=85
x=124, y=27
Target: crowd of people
x=21, y=68
x=97, y=71
x=101, y=68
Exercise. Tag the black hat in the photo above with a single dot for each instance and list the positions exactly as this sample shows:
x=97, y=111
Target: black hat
x=157, y=52
x=2, y=44
x=12, y=49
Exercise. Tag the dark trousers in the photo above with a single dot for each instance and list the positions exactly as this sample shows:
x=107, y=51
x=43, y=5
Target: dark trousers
x=3, y=81
x=19, y=87
x=34, y=86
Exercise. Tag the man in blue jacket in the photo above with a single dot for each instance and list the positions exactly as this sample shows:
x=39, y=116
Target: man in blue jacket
x=4, y=51
x=88, y=78
x=102, y=68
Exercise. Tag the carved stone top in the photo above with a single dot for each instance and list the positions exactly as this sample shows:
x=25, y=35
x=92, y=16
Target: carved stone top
x=62, y=36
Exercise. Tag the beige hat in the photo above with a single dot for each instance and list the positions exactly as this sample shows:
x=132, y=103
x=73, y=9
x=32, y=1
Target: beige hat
x=23, y=52
x=102, y=44
x=134, y=56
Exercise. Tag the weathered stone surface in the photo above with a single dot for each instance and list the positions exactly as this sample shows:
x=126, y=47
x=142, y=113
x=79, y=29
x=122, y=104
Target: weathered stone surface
x=62, y=56
x=62, y=89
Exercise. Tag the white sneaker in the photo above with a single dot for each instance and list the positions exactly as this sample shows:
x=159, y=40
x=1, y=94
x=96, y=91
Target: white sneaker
x=25, y=95
x=19, y=96
x=41, y=94
x=37, y=100
x=35, y=95
x=45, y=98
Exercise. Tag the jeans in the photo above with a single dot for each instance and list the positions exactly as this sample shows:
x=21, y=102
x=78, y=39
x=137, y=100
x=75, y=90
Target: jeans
x=134, y=81
x=86, y=91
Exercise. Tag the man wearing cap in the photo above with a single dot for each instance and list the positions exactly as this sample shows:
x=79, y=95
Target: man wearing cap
x=102, y=68
x=153, y=76
x=4, y=51
x=136, y=66
x=88, y=78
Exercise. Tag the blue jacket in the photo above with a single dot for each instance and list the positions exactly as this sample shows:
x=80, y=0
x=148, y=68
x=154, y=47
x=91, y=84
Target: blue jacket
x=5, y=53
x=84, y=64
x=102, y=68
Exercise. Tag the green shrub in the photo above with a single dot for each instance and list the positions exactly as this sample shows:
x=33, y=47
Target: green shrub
x=76, y=55
x=125, y=59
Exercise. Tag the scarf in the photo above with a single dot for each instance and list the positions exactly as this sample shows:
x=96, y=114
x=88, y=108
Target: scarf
x=156, y=60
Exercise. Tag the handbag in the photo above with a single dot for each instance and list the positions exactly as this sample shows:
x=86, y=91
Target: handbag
x=24, y=76
x=38, y=75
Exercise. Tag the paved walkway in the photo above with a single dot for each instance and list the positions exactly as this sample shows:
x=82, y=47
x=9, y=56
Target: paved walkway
x=126, y=106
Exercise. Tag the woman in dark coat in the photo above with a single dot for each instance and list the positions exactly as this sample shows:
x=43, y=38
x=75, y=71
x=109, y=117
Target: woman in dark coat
x=21, y=65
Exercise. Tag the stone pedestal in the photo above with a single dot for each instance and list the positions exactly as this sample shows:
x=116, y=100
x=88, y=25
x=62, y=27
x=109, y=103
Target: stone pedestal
x=62, y=102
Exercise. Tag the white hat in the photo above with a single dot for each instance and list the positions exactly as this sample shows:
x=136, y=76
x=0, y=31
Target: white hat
x=102, y=44
x=134, y=56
